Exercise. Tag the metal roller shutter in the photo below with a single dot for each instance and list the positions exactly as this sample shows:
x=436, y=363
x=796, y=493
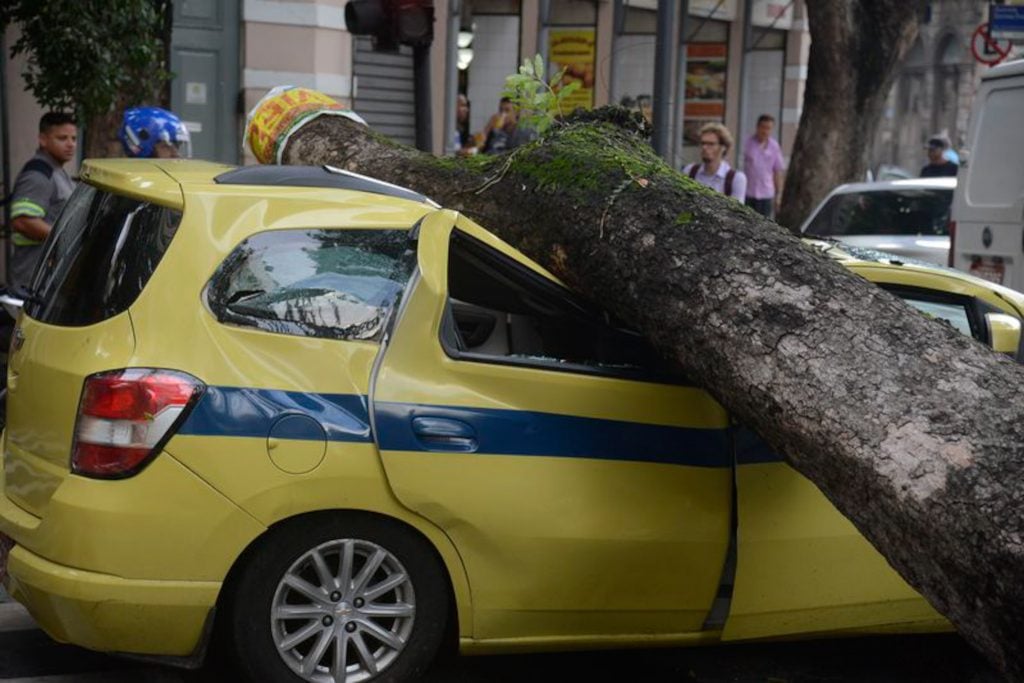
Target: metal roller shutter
x=383, y=93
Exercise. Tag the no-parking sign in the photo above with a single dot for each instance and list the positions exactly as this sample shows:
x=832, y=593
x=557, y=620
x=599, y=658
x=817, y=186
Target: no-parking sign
x=986, y=49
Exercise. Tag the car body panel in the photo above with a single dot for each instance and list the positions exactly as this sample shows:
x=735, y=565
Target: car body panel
x=109, y=613
x=180, y=527
x=887, y=269
x=568, y=504
x=133, y=568
x=46, y=368
x=143, y=179
x=944, y=280
x=804, y=568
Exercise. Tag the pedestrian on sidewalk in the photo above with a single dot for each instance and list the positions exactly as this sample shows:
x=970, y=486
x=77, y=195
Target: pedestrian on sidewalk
x=765, y=168
x=938, y=165
x=713, y=170
x=40, y=192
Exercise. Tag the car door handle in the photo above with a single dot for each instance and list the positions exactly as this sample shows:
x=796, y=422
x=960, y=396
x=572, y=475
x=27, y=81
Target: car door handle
x=444, y=434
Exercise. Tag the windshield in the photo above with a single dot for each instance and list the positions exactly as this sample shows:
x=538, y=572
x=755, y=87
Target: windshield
x=902, y=211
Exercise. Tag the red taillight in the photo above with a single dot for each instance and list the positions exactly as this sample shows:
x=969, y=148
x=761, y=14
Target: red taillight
x=125, y=415
x=952, y=243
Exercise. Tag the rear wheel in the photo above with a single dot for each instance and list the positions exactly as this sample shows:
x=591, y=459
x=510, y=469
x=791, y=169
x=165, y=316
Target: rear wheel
x=339, y=599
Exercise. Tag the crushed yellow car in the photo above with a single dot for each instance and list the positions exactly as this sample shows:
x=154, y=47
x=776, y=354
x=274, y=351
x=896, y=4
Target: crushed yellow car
x=342, y=423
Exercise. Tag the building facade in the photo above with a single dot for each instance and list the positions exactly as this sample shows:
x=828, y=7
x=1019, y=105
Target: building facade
x=932, y=94
x=227, y=53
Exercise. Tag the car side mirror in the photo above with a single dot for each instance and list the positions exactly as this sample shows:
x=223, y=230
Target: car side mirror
x=1005, y=332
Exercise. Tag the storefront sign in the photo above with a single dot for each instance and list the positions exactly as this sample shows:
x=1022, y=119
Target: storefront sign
x=573, y=49
x=706, y=66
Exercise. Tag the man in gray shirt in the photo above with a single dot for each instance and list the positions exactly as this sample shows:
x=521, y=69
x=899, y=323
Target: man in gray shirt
x=40, y=192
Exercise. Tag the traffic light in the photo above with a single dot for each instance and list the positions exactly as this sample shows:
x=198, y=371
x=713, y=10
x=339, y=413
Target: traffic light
x=392, y=22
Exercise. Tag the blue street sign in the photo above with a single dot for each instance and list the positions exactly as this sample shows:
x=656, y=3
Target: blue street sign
x=1006, y=21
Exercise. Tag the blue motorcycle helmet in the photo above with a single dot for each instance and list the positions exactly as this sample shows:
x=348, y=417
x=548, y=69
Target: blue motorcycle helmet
x=149, y=132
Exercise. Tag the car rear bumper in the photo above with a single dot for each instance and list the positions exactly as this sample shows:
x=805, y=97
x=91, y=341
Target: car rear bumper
x=109, y=613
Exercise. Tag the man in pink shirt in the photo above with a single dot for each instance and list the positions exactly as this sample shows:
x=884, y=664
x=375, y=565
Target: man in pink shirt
x=764, y=168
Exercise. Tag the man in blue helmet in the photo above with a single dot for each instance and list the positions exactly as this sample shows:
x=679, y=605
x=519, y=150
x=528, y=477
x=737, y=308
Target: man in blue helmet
x=152, y=132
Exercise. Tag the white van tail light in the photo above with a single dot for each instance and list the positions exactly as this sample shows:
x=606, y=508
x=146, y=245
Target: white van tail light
x=126, y=416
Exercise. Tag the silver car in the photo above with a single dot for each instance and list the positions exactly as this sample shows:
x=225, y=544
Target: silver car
x=905, y=217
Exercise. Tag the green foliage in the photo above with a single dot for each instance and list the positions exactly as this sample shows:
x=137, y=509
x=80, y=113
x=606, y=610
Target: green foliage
x=539, y=101
x=89, y=56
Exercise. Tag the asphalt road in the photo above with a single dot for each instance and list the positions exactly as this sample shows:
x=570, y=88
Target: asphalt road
x=27, y=655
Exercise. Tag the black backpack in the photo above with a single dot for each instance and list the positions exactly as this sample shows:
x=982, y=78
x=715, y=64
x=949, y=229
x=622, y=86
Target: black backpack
x=729, y=175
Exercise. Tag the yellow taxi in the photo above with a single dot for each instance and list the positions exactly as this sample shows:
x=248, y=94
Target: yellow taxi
x=340, y=426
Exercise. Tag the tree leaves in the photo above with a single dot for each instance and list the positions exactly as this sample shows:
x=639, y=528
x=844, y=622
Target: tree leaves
x=539, y=101
x=88, y=56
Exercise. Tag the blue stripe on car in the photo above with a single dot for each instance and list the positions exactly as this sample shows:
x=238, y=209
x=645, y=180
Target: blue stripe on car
x=520, y=432
x=248, y=412
x=235, y=411
x=751, y=449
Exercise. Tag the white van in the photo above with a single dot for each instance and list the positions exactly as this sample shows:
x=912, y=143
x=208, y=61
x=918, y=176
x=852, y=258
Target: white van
x=988, y=203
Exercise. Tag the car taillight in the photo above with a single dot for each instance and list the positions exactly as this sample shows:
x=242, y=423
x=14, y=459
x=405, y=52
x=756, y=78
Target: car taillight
x=125, y=417
x=952, y=243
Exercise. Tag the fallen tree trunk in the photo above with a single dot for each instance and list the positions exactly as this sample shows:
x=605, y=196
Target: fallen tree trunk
x=914, y=431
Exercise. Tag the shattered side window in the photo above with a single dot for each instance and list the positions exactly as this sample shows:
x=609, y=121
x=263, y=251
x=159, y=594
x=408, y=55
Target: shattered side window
x=499, y=311
x=338, y=284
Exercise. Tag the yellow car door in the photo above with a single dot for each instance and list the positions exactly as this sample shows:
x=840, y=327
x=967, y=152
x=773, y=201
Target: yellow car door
x=588, y=498
x=804, y=568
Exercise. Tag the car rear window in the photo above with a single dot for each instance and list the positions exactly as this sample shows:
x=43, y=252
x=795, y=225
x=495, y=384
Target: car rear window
x=904, y=211
x=102, y=252
x=338, y=284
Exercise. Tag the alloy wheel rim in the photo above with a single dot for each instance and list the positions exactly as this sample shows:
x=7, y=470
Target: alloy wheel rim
x=343, y=612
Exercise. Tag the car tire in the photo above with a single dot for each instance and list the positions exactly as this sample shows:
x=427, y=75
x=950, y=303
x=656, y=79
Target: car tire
x=295, y=605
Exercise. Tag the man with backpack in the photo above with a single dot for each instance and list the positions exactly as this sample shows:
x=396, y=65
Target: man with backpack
x=713, y=170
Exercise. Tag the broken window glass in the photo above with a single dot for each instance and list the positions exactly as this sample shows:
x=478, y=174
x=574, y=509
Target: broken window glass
x=339, y=284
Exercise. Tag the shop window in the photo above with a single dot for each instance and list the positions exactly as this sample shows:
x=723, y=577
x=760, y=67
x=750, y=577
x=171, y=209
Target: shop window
x=637, y=20
x=474, y=7
x=706, y=31
x=767, y=39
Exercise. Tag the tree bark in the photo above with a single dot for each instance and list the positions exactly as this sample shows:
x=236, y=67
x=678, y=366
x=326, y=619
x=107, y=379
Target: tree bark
x=101, y=135
x=857, y=49
x=913, y=430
